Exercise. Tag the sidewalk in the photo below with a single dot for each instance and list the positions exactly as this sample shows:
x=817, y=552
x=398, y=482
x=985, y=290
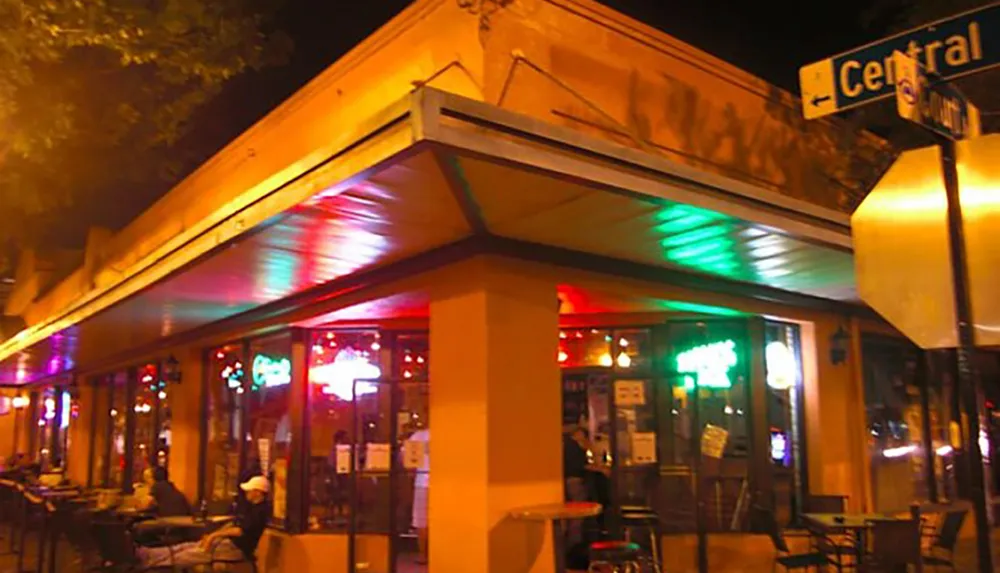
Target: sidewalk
x=68, y=562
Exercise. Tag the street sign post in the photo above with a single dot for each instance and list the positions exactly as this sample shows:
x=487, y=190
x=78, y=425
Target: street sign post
x=950, y=48
x=936, y=105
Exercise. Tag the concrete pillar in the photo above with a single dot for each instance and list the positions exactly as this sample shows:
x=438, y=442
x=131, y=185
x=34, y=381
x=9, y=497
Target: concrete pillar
x=186, y=422
x=81, y=434
x=495, y=417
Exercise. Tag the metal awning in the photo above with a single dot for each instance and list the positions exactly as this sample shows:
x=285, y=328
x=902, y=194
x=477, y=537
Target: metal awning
x=432, y=172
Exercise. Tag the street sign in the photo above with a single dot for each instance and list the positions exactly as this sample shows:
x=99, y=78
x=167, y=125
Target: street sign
x=934, y=104
x=949, y=48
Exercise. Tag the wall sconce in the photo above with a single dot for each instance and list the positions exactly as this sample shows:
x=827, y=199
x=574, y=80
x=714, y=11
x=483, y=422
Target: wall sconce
x=171, y=370
x=20, y=402
x=838, y=346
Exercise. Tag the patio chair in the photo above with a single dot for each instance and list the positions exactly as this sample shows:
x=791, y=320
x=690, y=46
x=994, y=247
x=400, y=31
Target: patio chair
x=764, y=519
x=942, y=550
x=895, y=546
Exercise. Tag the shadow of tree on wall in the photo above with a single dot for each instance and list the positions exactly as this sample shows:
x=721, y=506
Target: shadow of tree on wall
x=756, y=137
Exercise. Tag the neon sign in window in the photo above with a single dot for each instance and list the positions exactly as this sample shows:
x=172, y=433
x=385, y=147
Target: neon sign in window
x=270, y=372
x=345, y=376
x=708, y=365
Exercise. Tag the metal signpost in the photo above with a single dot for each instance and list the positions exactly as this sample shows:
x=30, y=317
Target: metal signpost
x=914, y=66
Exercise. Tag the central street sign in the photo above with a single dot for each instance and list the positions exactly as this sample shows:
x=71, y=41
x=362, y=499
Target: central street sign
x=949, y=48
x=933, y=103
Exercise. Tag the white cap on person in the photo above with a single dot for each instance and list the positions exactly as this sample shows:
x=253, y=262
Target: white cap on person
x=256, y=483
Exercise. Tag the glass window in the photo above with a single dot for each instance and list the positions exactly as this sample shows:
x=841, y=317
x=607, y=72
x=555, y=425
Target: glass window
x=585, y=347
x=116, y=448
x=151, y=423
x=707, y=373
x=227, y=403
x=341, y=365
x=631, y=349
x=783, y=360
x=269, y=432
x=45, y=426
x=411, y=357
x=412, y=433
x=895, y=423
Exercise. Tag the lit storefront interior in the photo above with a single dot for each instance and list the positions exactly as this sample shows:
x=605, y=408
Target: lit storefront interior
x=373, y=257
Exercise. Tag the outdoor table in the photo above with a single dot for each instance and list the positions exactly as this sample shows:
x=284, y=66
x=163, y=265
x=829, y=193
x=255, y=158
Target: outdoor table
x=188, y=527
x=557, y=514
x=58, y=502
x=854, y=524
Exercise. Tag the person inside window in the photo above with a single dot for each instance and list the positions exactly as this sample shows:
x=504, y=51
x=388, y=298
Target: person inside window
x=421, y=491
x=165, y=499
x=234, y=542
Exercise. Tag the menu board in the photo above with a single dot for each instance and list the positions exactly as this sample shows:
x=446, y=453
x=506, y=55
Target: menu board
x=629, y=393
x=644, y=448
x=343, y=458
x=413, y=454
x=377, y=457
x=713, y=441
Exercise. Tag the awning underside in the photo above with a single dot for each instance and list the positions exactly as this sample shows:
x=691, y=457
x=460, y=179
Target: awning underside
x=434, y=196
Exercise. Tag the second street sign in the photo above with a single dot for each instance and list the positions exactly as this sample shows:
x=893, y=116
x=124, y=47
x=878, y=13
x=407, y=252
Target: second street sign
x=934, y=104
x=949, y=48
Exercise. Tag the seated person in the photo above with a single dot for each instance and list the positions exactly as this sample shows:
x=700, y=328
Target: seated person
x=164, y=498
x=230, y=543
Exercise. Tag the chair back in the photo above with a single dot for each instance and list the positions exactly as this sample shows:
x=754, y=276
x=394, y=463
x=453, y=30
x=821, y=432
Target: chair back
x=763, y=520
x=826, y=504
x=114, y=542
x=951, y=526
x=896, y=543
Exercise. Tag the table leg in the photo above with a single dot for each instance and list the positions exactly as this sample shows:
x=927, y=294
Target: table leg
x=23, y=534
x=559, y=545
x=43, y=533
x=53, y=541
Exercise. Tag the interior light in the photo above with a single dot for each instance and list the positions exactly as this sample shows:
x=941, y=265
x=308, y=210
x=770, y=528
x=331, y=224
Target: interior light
x=340, y=377
x=624, y=360
x=898, y=452
x=605, y=359
x=562, y=357
x=782, y=368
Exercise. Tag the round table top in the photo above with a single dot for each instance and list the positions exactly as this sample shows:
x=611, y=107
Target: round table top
x=182, y=522
x=558, y=511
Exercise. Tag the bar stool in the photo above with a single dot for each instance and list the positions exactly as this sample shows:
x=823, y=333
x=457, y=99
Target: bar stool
x=615, y=557
x=638, y=519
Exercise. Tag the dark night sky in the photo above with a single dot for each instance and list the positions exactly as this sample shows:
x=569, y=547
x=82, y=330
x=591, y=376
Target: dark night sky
x=770, y=39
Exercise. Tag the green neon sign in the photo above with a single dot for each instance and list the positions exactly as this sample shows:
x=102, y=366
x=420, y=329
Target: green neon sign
x=709, y=364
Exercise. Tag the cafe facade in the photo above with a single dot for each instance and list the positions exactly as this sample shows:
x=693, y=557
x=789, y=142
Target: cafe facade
x=501, y=222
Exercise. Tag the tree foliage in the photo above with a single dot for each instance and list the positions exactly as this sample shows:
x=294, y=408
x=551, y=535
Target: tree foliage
x=93, y=94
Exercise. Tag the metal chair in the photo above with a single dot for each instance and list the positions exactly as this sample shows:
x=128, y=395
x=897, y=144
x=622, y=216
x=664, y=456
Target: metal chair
x=764, y=519
x=637, y=519
x=942, y=550
x=615, y=557
x=895, y=545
